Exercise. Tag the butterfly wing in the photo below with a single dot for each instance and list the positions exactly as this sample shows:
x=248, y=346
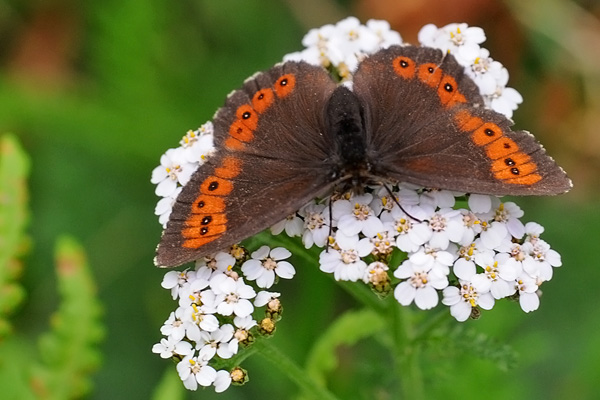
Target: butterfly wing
x=426, y=124
x=271, y=146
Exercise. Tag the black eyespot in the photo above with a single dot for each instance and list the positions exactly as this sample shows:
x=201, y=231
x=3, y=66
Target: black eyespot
x=448, y=87
x=261, y=96
x=430, y=69
x=201, y=204
x=403, y=64
x=206, y=220
x=204, y=231
x=514, y=171
x=510, y=162
x=489, y=132
x=283, y=82
x=507, y=145
x=213, y=185
x=246, y=115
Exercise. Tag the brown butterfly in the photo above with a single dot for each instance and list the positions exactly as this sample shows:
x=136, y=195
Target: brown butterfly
x=292, y=133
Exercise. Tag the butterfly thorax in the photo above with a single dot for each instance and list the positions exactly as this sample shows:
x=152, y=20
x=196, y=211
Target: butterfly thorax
x=345, y=123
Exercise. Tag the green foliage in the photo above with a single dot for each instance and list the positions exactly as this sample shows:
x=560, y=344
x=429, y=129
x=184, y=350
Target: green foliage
x=348, y=329
x=481, y=345
x=14, y=169
x=169, y=387
x=454, y=341
x=68, y=352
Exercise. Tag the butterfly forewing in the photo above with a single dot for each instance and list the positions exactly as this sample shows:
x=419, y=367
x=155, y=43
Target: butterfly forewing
x=426, y=124
x=283, y=139
x=271, y=146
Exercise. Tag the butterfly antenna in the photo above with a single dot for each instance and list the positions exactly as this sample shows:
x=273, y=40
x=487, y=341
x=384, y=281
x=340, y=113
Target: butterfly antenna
x=399, y=205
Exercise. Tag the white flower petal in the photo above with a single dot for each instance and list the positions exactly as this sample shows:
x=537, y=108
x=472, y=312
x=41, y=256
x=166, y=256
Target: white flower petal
x=461, y=311
x=464, y=269
x=405, y=293
x=451, y=296
x=206, y=376
x=261, y=253
x=280, y=253
x=481, y=282
x=486, y=301
x=500, y=289
x=285, y=270
x=266, y=279
x=426, y=298
x=529, y=302
x=222, y=381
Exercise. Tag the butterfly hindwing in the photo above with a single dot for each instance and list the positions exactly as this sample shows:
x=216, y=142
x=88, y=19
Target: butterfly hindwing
x=288, y=136
x=270, y=144
x=426, y=124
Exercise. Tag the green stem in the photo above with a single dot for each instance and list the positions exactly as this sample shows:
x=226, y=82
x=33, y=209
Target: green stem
x=406, y=353
x=283, y=363
x=440, y=315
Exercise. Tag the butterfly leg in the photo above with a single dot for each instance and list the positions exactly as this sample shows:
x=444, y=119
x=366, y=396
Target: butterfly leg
x=398, y=203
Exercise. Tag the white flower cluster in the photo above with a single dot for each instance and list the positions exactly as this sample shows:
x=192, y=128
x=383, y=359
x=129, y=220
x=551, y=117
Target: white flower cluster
x=491, y=77
x=473, y=255
x=343, y=45
x=215, y=313
x=177, y=166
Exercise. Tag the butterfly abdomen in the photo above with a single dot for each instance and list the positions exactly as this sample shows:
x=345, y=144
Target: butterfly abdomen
x=345, y=124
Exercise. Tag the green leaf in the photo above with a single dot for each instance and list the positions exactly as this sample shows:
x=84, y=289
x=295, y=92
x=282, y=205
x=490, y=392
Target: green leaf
x=14, y=169
x=462, y=339
x=69, y=352
x=169, y=387
x=348, y=329
x=15, y=363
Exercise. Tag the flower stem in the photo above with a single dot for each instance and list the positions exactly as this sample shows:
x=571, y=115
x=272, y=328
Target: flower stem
x=309, y=386
x=407, y=353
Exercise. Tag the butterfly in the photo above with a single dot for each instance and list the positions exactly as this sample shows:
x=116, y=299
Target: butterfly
x=292, y=134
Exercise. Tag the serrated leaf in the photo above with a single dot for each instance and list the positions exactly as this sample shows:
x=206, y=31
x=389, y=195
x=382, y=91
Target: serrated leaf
x=16, y=356
x=463, y=339
x=69, y=351
x=14, y=169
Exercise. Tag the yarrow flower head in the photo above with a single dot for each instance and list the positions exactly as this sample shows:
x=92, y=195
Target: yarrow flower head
x=461, y=40
x=421, y=244
x=345, y=44
x=177, y=166
x=265, y=265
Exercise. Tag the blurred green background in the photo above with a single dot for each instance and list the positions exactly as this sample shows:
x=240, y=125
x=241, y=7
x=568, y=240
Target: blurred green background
x=96, y=91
